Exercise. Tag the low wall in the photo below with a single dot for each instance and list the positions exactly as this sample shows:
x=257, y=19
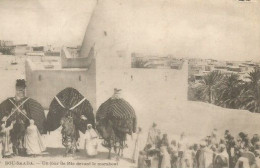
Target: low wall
x=69, y=62
x=143, y=84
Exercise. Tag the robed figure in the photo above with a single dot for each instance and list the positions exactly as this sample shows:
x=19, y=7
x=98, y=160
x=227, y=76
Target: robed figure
x=21, y=109
x=33, y=141
x=139, y=145
x=204, y=156
x=91, y=141
x=221, y=159
x=153, y=135
x=7, y=149
x=166, y=159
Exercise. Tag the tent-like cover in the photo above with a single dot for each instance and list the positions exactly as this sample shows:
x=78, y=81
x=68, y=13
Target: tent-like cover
x=70, y=100
x=33, y=110
x=120, y=112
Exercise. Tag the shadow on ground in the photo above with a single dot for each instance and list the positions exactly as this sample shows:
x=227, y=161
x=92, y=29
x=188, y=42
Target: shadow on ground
x=81, y=155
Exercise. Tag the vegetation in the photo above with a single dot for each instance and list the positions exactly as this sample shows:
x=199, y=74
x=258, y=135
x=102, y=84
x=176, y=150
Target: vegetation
x=139, y=63
x=6, y=50
x=228, y=90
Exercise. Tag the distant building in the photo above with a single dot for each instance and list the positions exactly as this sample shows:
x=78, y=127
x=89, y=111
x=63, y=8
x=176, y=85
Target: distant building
x=35, y=54
x=155, y=62
x=50, y=50
x=6, y=47
x=36, y=51
x=234, y=68
x=21, y=49
x=6, y=43
x=38, y=48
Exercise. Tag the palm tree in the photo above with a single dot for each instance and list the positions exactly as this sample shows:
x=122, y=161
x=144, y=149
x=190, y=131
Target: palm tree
x=230, y=91
x=251, y=93
x=210, y=83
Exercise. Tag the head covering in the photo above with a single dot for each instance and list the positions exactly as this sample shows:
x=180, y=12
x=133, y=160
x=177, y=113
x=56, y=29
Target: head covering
x=20, y=83
x=222, y=141
x=3, y=126
x=214, y=132
x=242, y=135
x=173, y=142
x=31, y=121
x=203, y=144
x=222, y=146
x=4, y=119
x=195, y=146
x=89, y=126
x=257, y=152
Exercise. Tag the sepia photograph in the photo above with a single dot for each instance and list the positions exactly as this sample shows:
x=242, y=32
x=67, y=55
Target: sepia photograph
x=130, y=83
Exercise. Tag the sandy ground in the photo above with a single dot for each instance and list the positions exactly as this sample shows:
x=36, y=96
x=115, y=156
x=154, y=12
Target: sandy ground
x=196, y=119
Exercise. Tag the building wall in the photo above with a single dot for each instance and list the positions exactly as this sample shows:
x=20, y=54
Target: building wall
x=21, y=50
x=4, y=43
x=140, y=85
x=70, y=62
x=43, y=85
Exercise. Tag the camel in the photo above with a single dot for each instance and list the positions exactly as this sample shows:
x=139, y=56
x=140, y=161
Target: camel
x=112, y=138
x=69, y=135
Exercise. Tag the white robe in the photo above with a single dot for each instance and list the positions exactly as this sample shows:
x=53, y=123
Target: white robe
x=91, y=142
x=166, y=159
x=257, y=162
x=224, y=157
x=33, y=141
x=152, y=136
x=183, y=145
x=243, y=160
x=154, y=161
x=138, y=146
x=209, y=158
x=7, y=144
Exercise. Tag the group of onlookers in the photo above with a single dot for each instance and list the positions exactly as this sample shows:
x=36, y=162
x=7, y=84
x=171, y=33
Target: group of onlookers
x=210, y=152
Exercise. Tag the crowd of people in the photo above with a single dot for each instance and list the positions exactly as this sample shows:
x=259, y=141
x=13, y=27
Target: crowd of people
x=212, y=151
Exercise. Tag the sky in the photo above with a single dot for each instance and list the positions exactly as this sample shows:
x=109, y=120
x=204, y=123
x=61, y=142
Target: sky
x=220, y=29
x=58, y=22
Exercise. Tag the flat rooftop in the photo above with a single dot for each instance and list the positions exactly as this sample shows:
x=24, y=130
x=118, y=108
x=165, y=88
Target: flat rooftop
x=49, y=64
